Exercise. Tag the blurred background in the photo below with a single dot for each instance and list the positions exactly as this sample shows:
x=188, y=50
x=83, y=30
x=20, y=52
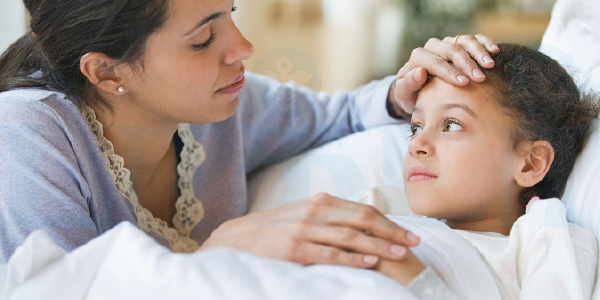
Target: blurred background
x=341, y=44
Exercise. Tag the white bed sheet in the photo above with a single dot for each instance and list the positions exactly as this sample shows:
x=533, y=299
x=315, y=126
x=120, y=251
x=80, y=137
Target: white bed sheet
x=125, y=263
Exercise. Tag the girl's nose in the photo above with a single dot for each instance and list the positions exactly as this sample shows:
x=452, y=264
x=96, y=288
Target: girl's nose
x=421, y=145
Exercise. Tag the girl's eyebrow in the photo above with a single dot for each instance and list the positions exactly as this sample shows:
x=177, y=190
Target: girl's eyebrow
x=467, y=109
x=449, y=106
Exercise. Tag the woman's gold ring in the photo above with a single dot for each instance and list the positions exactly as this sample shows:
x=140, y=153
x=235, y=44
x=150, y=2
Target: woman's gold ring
x=456, y=39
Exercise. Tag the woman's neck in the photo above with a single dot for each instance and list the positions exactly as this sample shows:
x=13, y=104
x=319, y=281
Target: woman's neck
x=144, y=147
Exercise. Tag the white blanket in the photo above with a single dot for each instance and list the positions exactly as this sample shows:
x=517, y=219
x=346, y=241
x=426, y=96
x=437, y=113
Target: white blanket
x=125, y=263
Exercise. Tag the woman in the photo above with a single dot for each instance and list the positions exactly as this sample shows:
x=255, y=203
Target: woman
x=96, y=107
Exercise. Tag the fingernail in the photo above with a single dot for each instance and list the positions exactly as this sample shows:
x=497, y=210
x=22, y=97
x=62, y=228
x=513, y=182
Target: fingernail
x=417, y=75
x=371, y=259
x=398, y=250
x=487, y=59
x=494, y=46
x=412, y=238
x=462, y=78
x=477, y=73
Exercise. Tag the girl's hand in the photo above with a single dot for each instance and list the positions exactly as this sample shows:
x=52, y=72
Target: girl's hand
x=402, y=271
x=320, y=229
x=454, y=59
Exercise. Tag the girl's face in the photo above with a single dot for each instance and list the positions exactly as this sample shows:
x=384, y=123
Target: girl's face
x=192, y=68
x=461, y=161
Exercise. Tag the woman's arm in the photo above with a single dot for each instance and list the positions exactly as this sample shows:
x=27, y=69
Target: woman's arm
x=41, y=183
x=280, y=120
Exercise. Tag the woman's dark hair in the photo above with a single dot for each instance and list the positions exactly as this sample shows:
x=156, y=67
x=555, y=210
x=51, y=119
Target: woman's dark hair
x=67, y=29
x=545, y=103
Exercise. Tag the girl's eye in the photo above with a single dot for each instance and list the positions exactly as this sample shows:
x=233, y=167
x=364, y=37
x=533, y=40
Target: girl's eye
x=452, y=126
x=415, y=129
x=200, y=47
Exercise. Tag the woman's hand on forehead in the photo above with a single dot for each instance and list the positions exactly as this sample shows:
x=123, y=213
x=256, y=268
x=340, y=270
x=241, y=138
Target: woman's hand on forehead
x=456, y=60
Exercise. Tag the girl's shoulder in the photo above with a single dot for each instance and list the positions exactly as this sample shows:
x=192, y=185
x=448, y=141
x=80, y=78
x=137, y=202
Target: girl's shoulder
x=547, y=219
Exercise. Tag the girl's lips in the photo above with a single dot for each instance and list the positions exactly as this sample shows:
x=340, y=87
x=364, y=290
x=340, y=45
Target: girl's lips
x=420, y=174
x=234, y=87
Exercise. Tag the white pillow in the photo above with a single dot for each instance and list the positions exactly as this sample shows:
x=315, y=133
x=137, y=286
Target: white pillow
x=582, y=193
x=573, y=38
x=342, y=168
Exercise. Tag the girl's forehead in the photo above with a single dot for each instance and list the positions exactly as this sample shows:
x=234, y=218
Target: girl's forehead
x=438, y=92
x=480, y=98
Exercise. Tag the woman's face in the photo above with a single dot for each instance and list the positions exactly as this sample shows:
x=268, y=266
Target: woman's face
x=461, y=163
x=192, y=69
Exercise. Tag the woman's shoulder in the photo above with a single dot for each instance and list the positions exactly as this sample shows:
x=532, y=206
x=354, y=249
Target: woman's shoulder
x=27, y=95
x=36, y=105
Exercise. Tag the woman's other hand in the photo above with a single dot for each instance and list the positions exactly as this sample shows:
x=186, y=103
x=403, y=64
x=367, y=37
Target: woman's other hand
x=402, y=271
x=320, y=229
x=464, y=51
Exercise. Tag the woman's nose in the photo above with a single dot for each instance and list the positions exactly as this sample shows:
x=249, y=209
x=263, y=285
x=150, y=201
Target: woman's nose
x=241, y=48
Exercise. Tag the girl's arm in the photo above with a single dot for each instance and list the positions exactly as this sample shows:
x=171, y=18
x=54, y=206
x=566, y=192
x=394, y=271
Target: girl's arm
x=556, y=259
x=421, y=281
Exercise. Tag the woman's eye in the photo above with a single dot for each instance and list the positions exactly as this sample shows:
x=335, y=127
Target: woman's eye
x=200, y=47
x=415, y=129
x=452, y=126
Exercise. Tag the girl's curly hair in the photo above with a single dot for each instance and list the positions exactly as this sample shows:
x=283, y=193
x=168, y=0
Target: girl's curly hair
x=545, y=104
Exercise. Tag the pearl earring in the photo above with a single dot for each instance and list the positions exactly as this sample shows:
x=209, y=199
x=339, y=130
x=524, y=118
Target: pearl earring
x=120, y=89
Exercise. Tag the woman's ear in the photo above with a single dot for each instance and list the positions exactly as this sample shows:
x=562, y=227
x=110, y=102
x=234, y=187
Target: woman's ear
x=536, y=161
x=100, y=70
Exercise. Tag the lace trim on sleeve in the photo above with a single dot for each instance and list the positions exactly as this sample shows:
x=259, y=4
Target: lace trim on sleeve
x=189, y=210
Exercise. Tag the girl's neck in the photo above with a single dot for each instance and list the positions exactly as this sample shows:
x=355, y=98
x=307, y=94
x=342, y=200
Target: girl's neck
x=500, y=223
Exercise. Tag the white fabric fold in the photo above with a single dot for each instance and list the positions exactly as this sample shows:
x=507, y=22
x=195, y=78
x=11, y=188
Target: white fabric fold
x=125, y=263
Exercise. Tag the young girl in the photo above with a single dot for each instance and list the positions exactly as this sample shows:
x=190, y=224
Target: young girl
x=481, y=157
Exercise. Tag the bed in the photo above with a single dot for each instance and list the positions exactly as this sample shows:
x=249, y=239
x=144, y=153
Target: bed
x=126, y=263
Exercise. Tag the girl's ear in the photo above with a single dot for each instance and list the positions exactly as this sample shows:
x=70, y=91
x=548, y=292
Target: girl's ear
x=100, y=70
x=536, y=161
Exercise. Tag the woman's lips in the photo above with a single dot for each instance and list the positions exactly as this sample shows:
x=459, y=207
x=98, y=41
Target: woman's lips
x=235, y=87
x=420, y=174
